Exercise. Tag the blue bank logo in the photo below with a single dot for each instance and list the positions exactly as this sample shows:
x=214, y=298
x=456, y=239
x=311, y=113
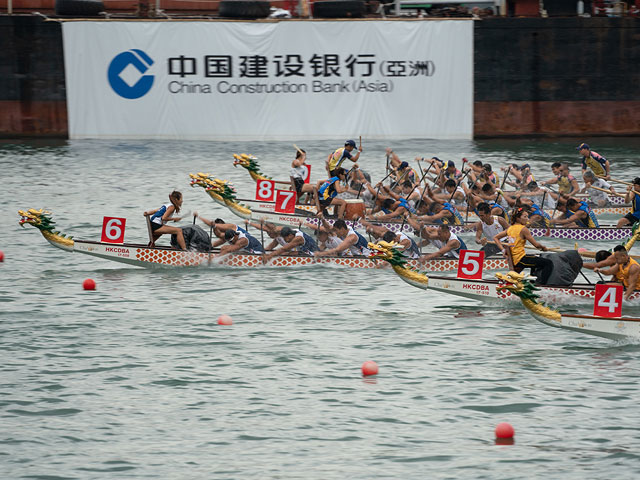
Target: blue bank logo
x=126, y=74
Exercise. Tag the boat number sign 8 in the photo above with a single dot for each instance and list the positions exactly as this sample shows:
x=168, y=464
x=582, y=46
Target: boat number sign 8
x=470, y=264
x=265, y=190
x=113, y=229
x=608, y=301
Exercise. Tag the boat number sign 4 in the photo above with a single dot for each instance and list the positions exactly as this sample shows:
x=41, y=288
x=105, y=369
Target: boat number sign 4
x=608, y=301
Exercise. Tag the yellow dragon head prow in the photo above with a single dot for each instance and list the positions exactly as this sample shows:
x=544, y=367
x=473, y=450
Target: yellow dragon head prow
x=41, y=219
x=521, y=286
x=221, y=191
x=250, y=163
x=389, y=252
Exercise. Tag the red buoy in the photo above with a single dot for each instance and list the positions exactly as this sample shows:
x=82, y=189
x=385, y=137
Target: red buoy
x=504, y=430
x=1, y=256
x=89, y=284
x=225, y=319
x=369, y=368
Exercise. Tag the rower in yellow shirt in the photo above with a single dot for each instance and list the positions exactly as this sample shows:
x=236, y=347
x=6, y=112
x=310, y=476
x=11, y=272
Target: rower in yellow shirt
x=518, y=235
x=626, y=271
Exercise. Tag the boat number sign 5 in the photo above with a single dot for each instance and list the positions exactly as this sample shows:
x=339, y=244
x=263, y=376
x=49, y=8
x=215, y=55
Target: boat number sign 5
x=285, y=201
x=470, y=264
x=113, y=229
x=265, y=190
x=608, y=302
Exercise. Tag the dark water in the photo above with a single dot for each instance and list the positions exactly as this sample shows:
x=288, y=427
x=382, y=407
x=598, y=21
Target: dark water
x=136, y=379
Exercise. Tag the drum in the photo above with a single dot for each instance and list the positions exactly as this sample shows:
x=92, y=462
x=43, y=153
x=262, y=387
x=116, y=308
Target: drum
x=354, y=209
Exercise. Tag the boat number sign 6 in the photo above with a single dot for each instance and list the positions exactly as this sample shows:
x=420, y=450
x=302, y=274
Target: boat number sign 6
x=608, y=301
x=470, y=264
x=113, y=229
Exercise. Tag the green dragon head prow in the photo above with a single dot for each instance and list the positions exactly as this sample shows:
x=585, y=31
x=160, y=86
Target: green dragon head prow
x=519, y=285
x=41, y=219
x=250, y=163
x=388, y=252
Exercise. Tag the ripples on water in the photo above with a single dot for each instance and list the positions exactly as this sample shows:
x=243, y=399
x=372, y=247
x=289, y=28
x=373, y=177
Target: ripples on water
x=136, y=379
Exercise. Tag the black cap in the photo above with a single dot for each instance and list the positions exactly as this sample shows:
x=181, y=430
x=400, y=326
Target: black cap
x=286, y=231
x=350, y=143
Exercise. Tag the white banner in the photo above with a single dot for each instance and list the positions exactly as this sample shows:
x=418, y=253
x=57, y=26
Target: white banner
x=283, y=80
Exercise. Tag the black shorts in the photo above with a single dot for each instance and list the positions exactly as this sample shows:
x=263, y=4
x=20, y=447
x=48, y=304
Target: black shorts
x=155, y=226
x=298, y=183
x=325, y=202
x=632, y=218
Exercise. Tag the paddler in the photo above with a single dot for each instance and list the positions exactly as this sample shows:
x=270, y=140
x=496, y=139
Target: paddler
x=567, y=183
x=447, y=243
x=326, y=192
x=239, y=239
x=403, y=173
x=593, y=161
x=633, y=196
x=487, y=228
x=352, y=243
x=518, y=235
x=160, y=216
x=404, y=243
x=337, y=158
x=296, y=241
x=626, y=271
x=576, y=214
x=298, y=174
x=597, y=198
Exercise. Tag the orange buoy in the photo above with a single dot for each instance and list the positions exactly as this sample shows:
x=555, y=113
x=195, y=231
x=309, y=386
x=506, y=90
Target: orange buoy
x=225, y=319
x=369, y=368
x=89, y=284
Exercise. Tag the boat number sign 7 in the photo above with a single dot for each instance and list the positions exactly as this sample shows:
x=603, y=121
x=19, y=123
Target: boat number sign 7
x=608, y=302
x=470, y=264
x=285, y=201
x=265, y=190
x=113, y=230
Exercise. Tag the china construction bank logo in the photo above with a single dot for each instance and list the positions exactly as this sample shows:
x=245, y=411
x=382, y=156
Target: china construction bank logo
x=126, y=74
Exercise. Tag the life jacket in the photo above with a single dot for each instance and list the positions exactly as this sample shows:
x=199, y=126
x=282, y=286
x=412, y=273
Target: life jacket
x=361, y=247
x=457, y=218
x=635, y=202
x=596, y=162
x=405, y=204
x=254, y=245
x=337, y=158
x=503, y=211
x=536, y=210
x=328, y=189
x=309, y=246
x=413, y=251
x=157, y=217
x=590, y=222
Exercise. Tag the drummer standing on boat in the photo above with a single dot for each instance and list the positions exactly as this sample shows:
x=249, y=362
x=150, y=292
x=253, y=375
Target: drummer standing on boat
x=337, y=158
x=594, y=161
x=626, y=271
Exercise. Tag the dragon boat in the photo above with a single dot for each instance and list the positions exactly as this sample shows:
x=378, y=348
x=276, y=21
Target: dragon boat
x=616, y=328
x=484, y=289
x=223, y=193
x=151, y=257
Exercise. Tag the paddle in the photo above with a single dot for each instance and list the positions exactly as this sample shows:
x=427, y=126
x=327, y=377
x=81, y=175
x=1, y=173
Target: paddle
x=425, y=184
x=502, y=184
x=299, y=151
x=615, y=180
x=608, y=191
x=210, y=244
x=459, y=181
